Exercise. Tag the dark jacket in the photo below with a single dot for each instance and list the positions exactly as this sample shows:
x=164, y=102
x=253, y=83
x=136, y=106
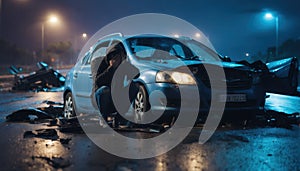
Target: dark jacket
x=106, y=72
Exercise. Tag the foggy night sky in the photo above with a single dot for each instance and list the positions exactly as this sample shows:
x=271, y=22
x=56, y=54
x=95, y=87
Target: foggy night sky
x=234, y=27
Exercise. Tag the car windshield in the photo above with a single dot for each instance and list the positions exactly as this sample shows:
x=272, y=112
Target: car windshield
x=165, y=48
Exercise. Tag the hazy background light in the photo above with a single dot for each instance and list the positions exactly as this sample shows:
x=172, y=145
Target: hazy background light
x=53, y=19
x=244, y=22
x=269, y=16
x=84, y=35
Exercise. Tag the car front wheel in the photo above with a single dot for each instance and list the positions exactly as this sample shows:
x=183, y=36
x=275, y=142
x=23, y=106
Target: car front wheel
x=69, y=110
x=140, y=105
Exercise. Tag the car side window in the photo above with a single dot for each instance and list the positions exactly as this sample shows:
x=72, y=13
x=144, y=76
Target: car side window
x=202, y=53
x=99, y=51
x=85, y=59
x=177, y=51
x=143, y=51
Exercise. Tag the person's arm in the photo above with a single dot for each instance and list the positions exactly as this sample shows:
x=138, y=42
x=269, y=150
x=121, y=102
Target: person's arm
x=104, y=75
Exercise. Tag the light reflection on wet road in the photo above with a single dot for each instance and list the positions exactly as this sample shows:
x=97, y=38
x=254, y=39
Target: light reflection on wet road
x=228, y=149
x=10, y=102
x=283, y=103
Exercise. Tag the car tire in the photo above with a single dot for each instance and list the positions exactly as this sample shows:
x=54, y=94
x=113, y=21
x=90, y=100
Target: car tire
x=69, y=108
x=141, y=105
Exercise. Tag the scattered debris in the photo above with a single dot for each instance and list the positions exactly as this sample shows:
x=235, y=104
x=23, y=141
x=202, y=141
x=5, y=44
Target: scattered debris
x=32, y=115
x=53, y=115
x=54, y=111
x=55, y=162
x=52, y=102
x=65, y=140
x=43, y=79
x=27, y=115
x=49, y=134
x=280, y=119
x=153, y=128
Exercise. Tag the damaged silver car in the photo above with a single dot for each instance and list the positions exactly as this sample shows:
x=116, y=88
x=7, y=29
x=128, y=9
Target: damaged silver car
x=161, y=71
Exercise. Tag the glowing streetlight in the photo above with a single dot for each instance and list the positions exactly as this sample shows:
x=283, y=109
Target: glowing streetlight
x=52, y=19
x=84, y=35
x=270, y=16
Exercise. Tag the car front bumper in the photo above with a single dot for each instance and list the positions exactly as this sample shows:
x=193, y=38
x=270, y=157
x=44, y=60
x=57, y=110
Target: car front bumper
x=172, y=100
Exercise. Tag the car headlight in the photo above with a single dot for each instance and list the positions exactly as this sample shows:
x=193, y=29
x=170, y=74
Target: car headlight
x=174, y=77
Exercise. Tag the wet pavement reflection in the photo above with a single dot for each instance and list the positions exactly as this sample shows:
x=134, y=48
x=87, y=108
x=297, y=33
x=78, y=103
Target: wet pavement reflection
x=55, y=144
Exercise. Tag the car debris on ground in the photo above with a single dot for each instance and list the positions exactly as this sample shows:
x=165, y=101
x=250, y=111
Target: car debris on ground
x=58, y=130
x=53, y=114
x=44, y=79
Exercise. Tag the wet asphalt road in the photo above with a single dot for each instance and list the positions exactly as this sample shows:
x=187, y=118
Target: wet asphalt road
x=230, y=148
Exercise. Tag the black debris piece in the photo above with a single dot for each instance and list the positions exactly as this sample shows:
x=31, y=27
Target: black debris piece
x=54, y=111
x=27, y=115
x=280, y=119
x=65, y=140
x=52, y=102
x=55, y=162
x=69, y=125
x=44, y=79
x=49, y=134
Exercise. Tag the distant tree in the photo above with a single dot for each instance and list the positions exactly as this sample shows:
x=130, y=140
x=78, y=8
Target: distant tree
x=258, y=56
x=59, y=53
x=271, y=54
x=289, y=48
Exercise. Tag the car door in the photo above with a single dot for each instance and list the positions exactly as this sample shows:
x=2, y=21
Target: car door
x=96, y=57
x=82, y=84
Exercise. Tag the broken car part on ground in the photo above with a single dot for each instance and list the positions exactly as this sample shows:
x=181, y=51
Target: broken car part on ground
x=44, y=79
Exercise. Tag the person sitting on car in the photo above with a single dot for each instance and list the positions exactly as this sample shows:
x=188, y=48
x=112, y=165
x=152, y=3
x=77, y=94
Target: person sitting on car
x=108, y=66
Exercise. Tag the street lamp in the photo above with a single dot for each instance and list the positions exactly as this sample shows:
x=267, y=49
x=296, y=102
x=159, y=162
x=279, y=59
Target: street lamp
x=84, y=35
x=52, y=19
x=270, y=16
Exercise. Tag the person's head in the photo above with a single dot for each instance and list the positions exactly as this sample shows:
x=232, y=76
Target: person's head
x=116, y=52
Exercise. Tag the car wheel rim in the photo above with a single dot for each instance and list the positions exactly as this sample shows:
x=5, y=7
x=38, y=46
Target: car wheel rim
x=139, y=107
x=68, y=110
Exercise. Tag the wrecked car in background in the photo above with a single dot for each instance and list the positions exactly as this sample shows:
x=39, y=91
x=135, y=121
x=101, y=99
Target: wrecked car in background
x=280, y=76
x=44, y=79
x=283, y=76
